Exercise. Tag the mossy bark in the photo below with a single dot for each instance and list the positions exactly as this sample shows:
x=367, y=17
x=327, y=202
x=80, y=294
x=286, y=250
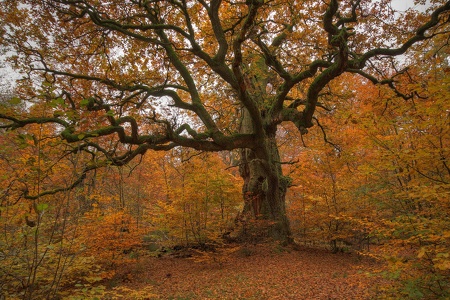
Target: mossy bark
x=264, y=191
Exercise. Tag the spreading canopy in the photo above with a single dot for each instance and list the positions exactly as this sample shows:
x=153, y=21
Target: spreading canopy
x=118, y=78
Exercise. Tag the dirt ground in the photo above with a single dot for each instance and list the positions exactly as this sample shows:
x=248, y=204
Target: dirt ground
x=249, y=272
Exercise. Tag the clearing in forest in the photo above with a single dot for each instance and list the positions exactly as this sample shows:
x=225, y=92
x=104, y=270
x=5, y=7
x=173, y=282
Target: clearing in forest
x=249, y=272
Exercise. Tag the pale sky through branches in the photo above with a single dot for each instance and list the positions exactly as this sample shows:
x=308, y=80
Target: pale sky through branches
x=403, y=5
x=8, y=76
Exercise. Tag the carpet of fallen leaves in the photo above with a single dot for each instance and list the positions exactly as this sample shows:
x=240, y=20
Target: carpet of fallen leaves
x=250, y=272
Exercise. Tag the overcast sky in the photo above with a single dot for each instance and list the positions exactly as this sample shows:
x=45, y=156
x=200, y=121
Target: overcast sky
x=403, y=5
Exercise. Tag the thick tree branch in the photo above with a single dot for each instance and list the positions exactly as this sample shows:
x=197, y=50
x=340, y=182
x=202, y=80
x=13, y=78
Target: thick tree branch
x=389, y=82
x=359, y=62
x=243, y=94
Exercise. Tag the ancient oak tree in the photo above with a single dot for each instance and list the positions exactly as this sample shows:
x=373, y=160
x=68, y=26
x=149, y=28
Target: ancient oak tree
x=117, y=78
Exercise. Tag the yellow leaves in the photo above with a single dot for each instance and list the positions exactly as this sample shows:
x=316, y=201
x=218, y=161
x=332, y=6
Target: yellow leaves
x=422, y=252
x=219, y=255
x=121, y=292
x=446, y=234
x=389, y=178
x=442, y=261
x=201, y=201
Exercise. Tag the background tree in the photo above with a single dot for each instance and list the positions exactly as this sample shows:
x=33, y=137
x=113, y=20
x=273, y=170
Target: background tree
x=387, y=178
x=123, y=77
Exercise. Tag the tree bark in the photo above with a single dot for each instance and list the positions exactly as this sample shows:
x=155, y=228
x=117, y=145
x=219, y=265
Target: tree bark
x=264, y=191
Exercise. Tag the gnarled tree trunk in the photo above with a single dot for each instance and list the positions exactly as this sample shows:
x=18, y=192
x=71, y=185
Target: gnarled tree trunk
x=264, y=191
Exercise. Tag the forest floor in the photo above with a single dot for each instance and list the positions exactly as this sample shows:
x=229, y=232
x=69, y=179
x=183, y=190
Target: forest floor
x=265, y=271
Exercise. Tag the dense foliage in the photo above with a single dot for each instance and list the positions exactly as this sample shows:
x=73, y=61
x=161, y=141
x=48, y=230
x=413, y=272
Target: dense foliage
x=140, y=127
